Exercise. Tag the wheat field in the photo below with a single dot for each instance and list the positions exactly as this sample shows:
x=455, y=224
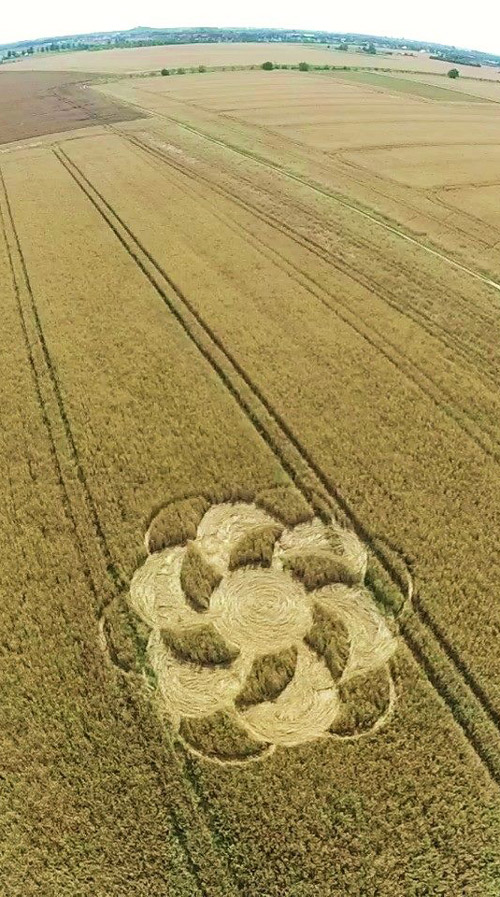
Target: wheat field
x=250, y=453
x=136, y=60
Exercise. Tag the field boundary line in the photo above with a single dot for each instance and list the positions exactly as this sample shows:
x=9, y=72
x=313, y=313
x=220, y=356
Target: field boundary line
x=427, y=619
x=427, y=193
x=191, y=318
x=370, y=216
x=76, y=506
x=311, y=480
x=371, y=179
x=450, y=341
x=322, y=485
x=344, y=168
x=422, y=380
x=396, y=75
x=423, y=613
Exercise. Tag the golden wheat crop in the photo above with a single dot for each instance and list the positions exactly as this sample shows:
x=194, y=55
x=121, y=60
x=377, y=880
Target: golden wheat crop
x=350, y=138
x=380, y=423
x=249, y=459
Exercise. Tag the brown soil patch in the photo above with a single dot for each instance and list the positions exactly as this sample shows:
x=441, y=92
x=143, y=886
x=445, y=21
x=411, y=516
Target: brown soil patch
x=36, y=103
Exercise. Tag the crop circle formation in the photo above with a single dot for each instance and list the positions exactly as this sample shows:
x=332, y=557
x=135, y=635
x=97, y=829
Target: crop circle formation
x=251, y=647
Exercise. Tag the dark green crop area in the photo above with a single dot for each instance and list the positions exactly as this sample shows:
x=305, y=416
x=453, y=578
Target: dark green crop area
x=408, y=86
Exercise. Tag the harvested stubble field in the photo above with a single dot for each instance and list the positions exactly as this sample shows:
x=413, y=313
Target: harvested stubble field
x=388, y=153
x=250, y=455
x=146, y=59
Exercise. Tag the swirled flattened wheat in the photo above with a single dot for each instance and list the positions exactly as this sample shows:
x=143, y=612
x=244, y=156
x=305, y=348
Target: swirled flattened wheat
x=258, y=612
x=189, y=690
x=223, y=526
x=304, y=710
x=156, y=594
x=261, y=610
x=303, y=537
x=355, y=552
x=315, y=536
x=372, y=643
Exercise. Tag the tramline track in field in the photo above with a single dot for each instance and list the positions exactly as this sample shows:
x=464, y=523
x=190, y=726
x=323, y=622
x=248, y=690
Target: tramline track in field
x=457, y=687
x=210, y=871
x=483, y=436
x=381, y=291
x=341, y=200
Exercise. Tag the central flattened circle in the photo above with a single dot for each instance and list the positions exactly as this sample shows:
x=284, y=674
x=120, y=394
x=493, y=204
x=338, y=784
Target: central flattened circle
x=261, y=610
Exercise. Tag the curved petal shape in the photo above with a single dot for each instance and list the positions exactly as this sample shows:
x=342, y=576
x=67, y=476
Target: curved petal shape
x=366, y=699
x=269, y=676
x=304, y=537
x=198, y=579
x=304, y=710
x=223, y=526
x=316, y=536
x=190, y=690
x=260, y=618
x=156, y=593
x=175, y=523
x=255, y=548
x=201, y=645
x=372, y=642
x=355, y=552
x=329, y=638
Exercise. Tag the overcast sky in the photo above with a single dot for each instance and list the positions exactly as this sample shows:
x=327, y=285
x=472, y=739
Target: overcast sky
x=475, y=25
